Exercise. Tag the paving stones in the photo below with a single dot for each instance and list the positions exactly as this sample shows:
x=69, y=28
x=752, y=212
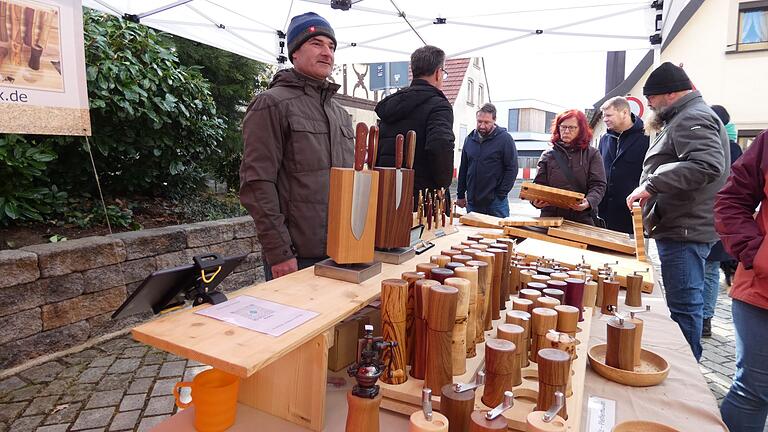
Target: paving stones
x=26, y=424
x=125, y=420
x=164, y=387
x=160, y=405
x=41, y=405
x=64, y=413
x=133, y=402
x=44, y=373
x=124, y=365
x=105, y=398
x=92, y=375
x=94, y=418
x=174, y=368
x=147, y=423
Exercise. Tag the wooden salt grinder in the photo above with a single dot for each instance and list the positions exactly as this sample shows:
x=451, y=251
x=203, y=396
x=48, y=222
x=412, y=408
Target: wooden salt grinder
x=514, y=277
x=394, y=298
x=440, y=260
x=514, y=280
x=427, y=420
x=554, y=371
x=610, y=296
x=457, y=402
x=526, y=275
x=441, y=314
x=522, y=319
x=567, y=343
x=453, y=266
x=459, y=335
x=546, y=302
x=538, y=286
x=483, y=284
x=420, y=305
x=620, y=352
x=522, y=304
x=574, y=294
x=567, y=319
x=440, y=274
x=542, y=321
x=411, y=278
x=634, y=289
x=499, y=370
x=513, y=333
x=489, y=259
x=559, y=276
x=556, y=289
x=549, y=421
x=601, y=277
x=470, y=274
x=462, y=258
x=590, y=294
x=529, y=294
x=450, y=252
x=498, y=270
x=638, y=334
x=505, y=276
x=426, y=268
x=490, y=421
x=362, y=413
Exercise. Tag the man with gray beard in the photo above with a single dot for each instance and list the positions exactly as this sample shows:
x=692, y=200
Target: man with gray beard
x=685, y=166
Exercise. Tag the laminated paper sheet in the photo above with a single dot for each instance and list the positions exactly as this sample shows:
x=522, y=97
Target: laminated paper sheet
x=259, y=315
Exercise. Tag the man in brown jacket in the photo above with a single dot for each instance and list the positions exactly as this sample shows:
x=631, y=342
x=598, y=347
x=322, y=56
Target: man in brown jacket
x=293, y=134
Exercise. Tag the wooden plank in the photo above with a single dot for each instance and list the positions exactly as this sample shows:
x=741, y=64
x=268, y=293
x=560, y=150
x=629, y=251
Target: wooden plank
x=594, y=236
x=520, y=232
x=557, y=197
x=572, y=257
x=637, y=228
x=480, y=220
x=543, y=221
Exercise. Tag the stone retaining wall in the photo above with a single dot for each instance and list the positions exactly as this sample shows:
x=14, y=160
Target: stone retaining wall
x=57, y=295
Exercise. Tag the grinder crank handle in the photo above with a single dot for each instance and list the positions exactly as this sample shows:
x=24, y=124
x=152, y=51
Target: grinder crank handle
x=373, y=145
x=410, y=141
x=399, y=140
x=360, y=145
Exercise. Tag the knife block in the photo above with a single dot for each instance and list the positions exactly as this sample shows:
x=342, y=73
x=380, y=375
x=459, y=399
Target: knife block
x=393, y=224
x=343, y=247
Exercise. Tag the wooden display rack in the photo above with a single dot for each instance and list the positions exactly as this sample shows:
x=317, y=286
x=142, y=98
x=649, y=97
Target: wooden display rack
x=557, y=197
x=406, y=398
x=592, y=235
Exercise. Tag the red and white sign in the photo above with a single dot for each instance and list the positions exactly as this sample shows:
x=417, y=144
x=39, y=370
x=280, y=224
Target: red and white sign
x=636, y=106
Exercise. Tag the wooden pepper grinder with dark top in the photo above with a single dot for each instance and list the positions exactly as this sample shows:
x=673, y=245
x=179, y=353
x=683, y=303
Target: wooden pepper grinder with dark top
x=457, y=402
x=394, y=297
x=620, y=351
x=499, y=370
x=554, y=371
x=421, y=303
x=441, y=315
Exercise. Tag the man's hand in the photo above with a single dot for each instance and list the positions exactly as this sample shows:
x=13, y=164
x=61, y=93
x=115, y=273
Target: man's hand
x=461, y=202
x=639, y=194
x=284, y=268
x=539, y=204
x=583, y=205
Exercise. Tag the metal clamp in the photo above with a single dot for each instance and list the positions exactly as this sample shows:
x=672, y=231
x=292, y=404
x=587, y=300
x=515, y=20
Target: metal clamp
x=632, y=313
x=509, y=402
x=555, y=408
x=426, y=403
x=461, y=387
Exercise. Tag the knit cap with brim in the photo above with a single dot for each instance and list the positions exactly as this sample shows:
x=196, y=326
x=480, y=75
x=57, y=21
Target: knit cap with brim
x=304, y=27
x=667, y=78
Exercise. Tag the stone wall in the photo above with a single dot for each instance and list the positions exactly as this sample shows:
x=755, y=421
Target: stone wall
x=57, y=295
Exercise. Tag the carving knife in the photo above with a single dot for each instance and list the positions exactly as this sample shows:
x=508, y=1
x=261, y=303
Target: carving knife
x=398, y=173
x=410, y=142
x=361, y=187
x=373, y=146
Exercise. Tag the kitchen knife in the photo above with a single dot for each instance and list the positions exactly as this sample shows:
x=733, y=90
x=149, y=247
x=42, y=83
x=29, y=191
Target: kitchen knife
x=429, y=211
x=373, y=145
x=398, y=173
x=361, y=186
x=410, y=142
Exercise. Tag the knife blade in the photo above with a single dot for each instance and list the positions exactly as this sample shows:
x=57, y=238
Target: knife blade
x=429, y=211
x=410, y=141
x=398, y=173
x=361, y=186
x=373, y=145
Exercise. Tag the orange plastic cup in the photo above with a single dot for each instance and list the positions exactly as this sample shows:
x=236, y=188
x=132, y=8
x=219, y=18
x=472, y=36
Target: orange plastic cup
x=214, y=395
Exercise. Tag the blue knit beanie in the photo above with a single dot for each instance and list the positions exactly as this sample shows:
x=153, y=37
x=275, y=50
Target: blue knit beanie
x=306, y=26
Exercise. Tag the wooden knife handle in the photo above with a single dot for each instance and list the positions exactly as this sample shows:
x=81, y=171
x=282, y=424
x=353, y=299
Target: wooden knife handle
x=360, y=145
x=410, y=140
x=373, y=145
x=399, y=140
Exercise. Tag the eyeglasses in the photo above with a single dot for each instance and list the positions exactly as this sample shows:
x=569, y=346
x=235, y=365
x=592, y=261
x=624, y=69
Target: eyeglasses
x=445, y=73
x=569, y=128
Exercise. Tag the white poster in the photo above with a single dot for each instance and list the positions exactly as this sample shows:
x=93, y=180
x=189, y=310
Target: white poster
x=42, y=68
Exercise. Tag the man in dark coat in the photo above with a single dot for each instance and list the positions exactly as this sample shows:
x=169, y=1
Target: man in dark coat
x=488, y=166
x=623, y=149
x=423, y=108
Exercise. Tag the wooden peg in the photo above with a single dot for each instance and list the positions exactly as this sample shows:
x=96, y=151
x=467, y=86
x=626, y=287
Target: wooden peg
x=457, y=407
x=441, y=315
x=426, y=268
x=394, y=298
x=411, y=278
x=634, y=288
x=440, y=274
x=459, y=335
x=483, y=284
x=499, y=370
x=420, y=306
x=440, y=260
x=513, y=333
x=610, y=296
x=523, y=320
x=554, y=371
x=488, y=258
x=620, y=351
x=470, y=274
x=362, y=413
x=542, y=321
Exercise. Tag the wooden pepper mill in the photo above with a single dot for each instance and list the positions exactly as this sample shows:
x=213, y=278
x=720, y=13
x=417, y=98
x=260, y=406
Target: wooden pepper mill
x=440, y=274
x=620, y=351
x=542, y=321
x=513, y=333
x=489, y=259
x=549, y=421
x=567, y=319
x=638, y=333
x=610, y=296
x=483, y=283
x=459, y=336
x=462, y=258
x=470, y=274
x=537, y=286
x=634, y=289
x=529, y=294
x=411, y=278
x=526, y=275
x=450, y=252
x=441, y=314
x=554, y=371
x=440, y=260
x=426, y=268
x=499, y=370
x=522, y=304
x=546, y=302
x=394, y=297
x=514, y=277
x=505, y=276
x=574, y=294
x=523, y=320
x=498, y=274
x=421, y=303
x=590, y=294
x=427, y=420
x=601, y=277
x=490, y=421
x=457, y=402
x=567, y=343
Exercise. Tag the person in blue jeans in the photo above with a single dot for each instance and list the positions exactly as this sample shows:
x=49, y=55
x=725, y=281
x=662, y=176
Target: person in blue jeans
x=488, y=166
x=745, y=407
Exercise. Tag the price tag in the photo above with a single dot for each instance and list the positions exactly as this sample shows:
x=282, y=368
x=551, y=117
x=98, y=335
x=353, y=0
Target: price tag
x=601, y=416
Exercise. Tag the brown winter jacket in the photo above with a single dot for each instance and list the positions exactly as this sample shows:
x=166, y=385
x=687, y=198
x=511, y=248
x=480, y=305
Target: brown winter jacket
x=293, y=134
x=588, y=170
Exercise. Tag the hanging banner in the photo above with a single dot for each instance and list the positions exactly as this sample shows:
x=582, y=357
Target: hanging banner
x=42, y=68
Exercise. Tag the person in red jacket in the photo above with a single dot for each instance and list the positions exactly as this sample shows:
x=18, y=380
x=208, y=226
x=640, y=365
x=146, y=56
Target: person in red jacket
x=745, y=407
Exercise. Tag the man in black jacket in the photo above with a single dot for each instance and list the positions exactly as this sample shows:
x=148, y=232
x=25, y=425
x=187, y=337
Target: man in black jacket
x=623, y=149
x=488, y=167
x=423, y=108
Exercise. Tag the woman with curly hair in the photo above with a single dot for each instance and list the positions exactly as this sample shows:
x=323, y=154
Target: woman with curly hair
x=574, y=165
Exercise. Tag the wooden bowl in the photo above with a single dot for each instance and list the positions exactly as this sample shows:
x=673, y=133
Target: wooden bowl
x=642, y=426
x=653, y=368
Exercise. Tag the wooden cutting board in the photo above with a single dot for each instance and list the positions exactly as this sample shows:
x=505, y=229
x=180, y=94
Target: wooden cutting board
x=531, y=221
x=588, y=234
x=525, y=233
x=557, y=197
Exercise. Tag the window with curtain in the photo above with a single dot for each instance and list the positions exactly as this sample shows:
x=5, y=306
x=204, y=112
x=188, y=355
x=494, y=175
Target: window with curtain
x=480, y=94
x=470, y=92
x=753, y=26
